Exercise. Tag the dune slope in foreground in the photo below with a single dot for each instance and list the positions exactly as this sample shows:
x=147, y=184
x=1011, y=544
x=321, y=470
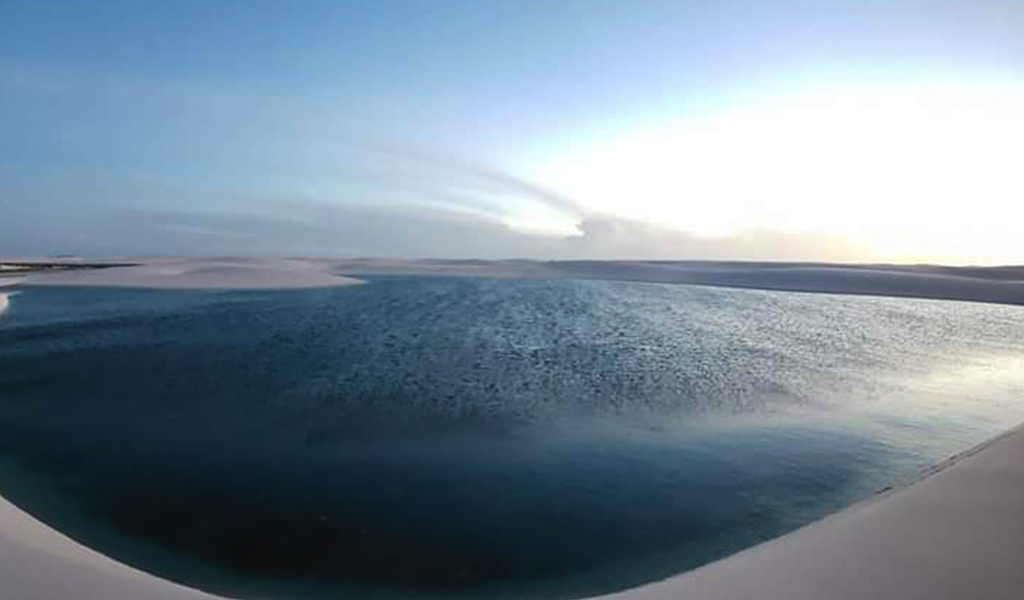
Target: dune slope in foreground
x=38, y=563
x=958, y=533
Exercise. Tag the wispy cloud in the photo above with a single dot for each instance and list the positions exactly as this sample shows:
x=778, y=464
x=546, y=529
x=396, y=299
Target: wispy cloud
x=486, y=177
x=75, y=215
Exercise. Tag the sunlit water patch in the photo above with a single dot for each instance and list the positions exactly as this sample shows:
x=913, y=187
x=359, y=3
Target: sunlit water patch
x=462, y=438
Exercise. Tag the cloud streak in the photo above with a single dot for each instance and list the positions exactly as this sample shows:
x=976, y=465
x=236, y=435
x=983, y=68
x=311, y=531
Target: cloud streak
x=338, y=231
x=486, y=177
x=73, y=216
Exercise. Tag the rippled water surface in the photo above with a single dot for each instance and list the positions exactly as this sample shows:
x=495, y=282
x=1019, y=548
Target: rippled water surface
x=467, y=438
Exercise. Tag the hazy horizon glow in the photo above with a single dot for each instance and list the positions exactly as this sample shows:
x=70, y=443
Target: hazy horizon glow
x=588, y=128
x=908, y=172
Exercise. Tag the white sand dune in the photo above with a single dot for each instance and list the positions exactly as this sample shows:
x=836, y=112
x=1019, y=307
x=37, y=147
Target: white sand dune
x=5, y=298
x=200, y=274
x=958, y=533
x=1000, y=285
x=37, y=563
x=981, y=284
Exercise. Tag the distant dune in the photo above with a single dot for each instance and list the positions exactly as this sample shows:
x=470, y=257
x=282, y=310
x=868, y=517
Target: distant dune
x=1003, y=285
x=187, y=273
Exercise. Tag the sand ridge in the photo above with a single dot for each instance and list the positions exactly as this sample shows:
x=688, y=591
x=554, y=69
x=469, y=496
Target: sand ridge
x=195, y=273
x=38, y=563
x=5, y=297
x=956, y=532
x=1002, y=285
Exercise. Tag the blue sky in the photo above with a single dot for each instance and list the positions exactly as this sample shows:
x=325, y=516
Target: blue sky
x=833, y=130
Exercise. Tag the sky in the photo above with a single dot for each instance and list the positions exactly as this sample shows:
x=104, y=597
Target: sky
x=832, y=130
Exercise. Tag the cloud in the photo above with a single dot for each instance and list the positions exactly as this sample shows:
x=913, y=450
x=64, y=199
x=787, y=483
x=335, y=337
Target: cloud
x=328, y=190
x=611, y=238
x=485, y=177
x=56, y=215
x=335, y=231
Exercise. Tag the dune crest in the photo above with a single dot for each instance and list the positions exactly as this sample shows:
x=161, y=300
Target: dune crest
x=195, y=273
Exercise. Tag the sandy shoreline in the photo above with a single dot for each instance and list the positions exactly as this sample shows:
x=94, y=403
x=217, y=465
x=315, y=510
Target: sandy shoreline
x=194, y=274
x=956, y=532
x=1001, y=285
x=5, y=297
x=39, y=563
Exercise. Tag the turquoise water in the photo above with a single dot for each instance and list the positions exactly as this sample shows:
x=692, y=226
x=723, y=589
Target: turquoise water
x=470, y=438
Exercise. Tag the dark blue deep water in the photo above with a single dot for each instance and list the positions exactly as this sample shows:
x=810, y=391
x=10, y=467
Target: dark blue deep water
x=470, y=438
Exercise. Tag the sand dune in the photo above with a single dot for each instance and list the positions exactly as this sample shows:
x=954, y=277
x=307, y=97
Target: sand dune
x=200, y=274
x=958, y=533
x=981, y=284
x=949, y=283
x=37, y=563
x=5, y=298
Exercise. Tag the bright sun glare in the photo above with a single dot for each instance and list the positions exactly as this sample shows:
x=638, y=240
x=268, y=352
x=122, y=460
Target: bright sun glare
x=912, y=172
